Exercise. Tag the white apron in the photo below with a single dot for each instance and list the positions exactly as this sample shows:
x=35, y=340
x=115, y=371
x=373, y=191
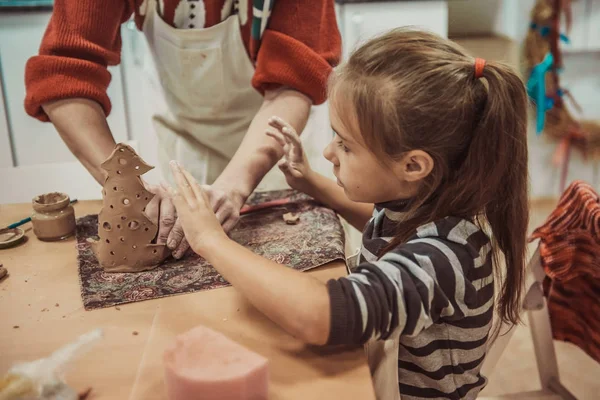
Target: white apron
x=381, y=355
x=204, y=101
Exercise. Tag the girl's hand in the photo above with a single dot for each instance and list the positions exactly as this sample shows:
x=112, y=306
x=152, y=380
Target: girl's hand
x=294, y=163
x=200, y=225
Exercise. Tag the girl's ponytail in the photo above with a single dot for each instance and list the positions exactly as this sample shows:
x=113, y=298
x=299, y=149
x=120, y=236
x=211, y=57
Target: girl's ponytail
x=499, y=152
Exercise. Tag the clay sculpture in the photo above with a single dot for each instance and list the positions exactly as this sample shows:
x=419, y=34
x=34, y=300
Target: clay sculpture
x=126, y=234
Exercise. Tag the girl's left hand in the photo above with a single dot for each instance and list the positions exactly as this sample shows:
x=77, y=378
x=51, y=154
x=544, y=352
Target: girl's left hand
x=200, y=225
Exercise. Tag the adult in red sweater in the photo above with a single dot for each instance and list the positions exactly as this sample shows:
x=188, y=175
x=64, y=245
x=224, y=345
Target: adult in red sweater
x=224, y=66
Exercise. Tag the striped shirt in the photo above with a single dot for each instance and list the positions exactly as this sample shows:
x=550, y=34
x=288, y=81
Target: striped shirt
x=435, y=292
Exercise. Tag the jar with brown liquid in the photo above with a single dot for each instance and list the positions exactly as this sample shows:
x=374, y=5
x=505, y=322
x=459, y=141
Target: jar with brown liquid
x=53, y=216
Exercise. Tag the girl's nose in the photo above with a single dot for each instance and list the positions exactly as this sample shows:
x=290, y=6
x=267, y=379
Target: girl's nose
x=328, y=153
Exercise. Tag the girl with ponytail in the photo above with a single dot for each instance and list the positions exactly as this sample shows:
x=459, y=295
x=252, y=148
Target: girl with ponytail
x=430, y=157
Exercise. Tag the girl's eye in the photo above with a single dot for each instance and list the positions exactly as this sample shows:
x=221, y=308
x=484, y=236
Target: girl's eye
x=341, y=146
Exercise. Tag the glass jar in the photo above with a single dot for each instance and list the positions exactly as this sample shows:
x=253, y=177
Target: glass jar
x=53, y=216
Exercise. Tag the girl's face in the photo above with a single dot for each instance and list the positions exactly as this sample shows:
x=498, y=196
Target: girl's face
x=364, y=177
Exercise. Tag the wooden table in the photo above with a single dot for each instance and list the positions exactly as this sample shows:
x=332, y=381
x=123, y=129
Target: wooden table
x=41, y=309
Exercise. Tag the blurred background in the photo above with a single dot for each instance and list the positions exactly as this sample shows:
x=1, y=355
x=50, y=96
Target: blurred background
x=33, y=158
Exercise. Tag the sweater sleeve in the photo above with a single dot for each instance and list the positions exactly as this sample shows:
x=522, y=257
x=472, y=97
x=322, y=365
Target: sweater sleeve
x=81, y=40
x=299, y=48
x=406, y=291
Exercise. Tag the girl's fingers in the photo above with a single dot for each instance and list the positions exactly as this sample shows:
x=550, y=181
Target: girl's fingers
x=165, y=186
x=276, y=123
x=291, y=135
x=277, y=136
x=196, y=189
x=295, y=173
x=284, y=166
x=176, y=198
x=279, y=123
x=183, y=186
x=293, y=138
x=295, y=145
x=288, y=169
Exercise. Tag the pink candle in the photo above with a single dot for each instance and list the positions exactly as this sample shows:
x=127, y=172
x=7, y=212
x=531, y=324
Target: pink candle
x=204, y=365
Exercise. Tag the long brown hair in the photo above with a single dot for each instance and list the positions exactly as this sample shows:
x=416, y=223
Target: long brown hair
x=413, y=90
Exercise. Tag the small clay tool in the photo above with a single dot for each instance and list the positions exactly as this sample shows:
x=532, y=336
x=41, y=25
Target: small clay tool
x=265, y=205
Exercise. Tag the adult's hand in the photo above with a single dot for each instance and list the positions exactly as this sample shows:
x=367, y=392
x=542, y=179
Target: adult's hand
x=256, y=155
x=225, y=203
x=161, y=211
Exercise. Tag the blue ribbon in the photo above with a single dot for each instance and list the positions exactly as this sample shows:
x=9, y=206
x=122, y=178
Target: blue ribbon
x=536, y=89
x=545, y=31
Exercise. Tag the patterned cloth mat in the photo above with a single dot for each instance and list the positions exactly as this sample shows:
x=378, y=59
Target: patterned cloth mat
x=316, y=240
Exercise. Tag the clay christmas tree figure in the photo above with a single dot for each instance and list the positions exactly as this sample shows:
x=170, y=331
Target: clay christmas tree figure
x=126, y=233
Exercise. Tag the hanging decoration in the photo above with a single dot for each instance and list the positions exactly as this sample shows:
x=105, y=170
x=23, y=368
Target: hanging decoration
x=544, y=65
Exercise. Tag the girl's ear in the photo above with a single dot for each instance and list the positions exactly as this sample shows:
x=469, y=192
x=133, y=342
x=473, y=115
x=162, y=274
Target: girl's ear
x=414, y=166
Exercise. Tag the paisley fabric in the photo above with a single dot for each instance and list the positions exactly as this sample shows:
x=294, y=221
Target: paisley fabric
x=316, y=240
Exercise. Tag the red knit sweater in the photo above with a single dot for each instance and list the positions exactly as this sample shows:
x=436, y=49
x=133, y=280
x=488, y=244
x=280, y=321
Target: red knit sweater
x=298, y=49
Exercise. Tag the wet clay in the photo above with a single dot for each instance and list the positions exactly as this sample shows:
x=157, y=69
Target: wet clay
x=126, y=233
x=53, y=216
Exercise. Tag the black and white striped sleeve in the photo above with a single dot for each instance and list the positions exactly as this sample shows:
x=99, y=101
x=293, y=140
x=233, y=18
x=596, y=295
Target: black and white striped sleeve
x=409, y=289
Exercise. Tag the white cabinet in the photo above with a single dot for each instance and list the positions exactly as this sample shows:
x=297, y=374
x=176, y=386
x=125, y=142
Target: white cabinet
x=578, y=37
x=361, y=21
x=593, y=28
x=6, y=158
x=33, y=158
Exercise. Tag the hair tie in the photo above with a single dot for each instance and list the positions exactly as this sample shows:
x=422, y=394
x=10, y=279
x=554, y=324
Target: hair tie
x=479, y=65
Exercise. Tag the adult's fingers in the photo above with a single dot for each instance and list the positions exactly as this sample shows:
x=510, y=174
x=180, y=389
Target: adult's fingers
x=231, y=222
x=214, y=198
x=176, y=236
x=223, y=213
x=181, y=249
x=166, y=220
x=176, y=197
x=152, y=211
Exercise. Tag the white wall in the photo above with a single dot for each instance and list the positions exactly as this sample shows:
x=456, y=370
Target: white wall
x=472, y=17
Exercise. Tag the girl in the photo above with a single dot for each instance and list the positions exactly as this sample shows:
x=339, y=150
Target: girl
x=430, y=154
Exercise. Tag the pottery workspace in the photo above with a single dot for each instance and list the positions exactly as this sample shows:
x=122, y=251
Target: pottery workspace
x=124, y=229
x=291, y=200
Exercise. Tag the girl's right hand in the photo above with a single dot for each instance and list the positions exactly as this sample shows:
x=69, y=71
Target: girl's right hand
x=294, y=163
